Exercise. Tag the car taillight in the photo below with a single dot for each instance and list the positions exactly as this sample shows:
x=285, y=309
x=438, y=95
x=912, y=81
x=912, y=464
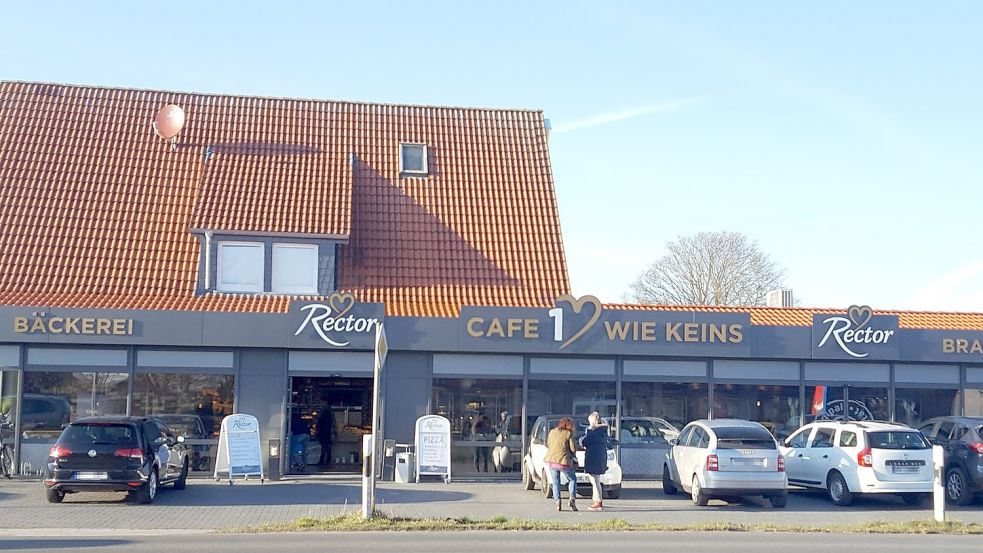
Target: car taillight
x=59, y=451
x=976, y=446
x=131, y=452
x=781, y=463
x=712, y=464
x=864, y=458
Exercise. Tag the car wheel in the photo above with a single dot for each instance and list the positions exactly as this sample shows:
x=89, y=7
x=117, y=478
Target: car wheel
x=778, y=501
x=182, y=480
x=914, y=499
x=53, y=495
x=699, y=498
x=547, y=488
x=149, y=491
x=956, y=490
x=668, y=487
x=612, y=493
x=839, y=493
x=527, y=482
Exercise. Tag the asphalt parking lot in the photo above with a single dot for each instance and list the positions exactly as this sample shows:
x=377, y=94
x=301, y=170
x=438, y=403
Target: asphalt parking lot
x=207, y=505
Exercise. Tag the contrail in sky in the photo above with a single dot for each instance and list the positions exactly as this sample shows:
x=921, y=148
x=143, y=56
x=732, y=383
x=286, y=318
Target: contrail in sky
x=611, y=117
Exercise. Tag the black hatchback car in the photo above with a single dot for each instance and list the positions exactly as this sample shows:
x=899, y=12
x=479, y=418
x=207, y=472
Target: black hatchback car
x=131, y=454
x=962, y=439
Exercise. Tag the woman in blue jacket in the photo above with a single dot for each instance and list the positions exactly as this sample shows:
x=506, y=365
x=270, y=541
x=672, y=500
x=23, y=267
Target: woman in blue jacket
x=595, y=443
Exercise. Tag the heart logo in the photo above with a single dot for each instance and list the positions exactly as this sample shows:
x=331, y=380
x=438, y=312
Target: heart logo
x=578, y=306
x=860, y=315
x=341, y=303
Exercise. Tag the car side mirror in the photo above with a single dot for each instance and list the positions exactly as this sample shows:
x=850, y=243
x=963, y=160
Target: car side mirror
x=537, y=441
x=673, y=441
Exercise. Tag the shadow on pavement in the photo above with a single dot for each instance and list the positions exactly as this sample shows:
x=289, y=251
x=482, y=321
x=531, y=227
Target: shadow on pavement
x=296, y=493
x=44, y=543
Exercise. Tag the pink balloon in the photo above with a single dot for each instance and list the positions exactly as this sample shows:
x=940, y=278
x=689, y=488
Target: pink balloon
x=169, y=121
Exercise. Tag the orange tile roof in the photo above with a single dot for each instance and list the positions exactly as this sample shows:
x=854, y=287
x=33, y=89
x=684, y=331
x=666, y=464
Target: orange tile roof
x=800, y=316
x=97, y=210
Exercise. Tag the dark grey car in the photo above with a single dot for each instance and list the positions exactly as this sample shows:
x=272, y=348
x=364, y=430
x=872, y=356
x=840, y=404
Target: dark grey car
x=962, y=440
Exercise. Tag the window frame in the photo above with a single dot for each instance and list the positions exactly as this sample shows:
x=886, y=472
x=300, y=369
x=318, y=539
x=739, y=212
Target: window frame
x=415, y=172
x=222, y=287
x=274, y=287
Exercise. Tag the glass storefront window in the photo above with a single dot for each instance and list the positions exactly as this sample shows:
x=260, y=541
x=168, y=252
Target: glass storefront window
x=974, y=402
x=8, y=415
x=52, y=399
x=913, y=405
x=483, y=439
x=826, y=402
x=676, y=402
x=775, y=407
x=192, y=405
x=566, y=397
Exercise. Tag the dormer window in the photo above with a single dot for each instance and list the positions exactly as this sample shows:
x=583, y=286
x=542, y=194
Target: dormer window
x=240, y=267
x=294, y=269
x=413, y=159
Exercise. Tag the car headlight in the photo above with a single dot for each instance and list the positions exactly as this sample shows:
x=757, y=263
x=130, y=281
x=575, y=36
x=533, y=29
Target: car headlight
x=610, y=455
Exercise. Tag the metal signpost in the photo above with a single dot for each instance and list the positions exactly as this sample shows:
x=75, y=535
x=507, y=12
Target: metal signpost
x=371, y=446
x=238, y=448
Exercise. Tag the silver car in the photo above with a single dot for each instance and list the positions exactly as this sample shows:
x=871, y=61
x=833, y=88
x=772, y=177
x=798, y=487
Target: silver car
x=723, y=458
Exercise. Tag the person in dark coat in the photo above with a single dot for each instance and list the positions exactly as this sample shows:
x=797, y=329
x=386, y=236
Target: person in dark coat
x=325, y=434
x=595, y=443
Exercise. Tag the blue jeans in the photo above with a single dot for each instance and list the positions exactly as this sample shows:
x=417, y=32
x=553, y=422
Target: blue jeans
x=571, y=482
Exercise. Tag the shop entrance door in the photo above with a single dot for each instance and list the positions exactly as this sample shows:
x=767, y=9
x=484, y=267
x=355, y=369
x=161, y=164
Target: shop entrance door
x=9, y=387
x=326, y=419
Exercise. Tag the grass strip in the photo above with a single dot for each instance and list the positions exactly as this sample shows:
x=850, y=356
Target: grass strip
x=353, y=522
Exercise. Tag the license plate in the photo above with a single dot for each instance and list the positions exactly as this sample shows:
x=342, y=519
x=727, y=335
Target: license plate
x=747, y=462
x=91, y=476
x=582, y=479
x=903, y=469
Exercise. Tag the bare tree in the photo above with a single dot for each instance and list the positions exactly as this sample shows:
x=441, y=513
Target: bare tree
x=709, y=268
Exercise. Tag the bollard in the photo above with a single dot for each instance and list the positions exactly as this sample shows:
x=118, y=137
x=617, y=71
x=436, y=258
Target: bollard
x=367, y=461
x=938, y=460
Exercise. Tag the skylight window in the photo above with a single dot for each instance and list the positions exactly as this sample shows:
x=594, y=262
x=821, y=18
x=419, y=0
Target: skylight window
x=413, y=159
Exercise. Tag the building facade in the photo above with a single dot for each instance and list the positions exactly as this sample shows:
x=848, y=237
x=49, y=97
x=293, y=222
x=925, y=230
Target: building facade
x=244, y=267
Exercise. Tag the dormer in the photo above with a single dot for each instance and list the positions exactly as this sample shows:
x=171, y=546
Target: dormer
x=270, y=217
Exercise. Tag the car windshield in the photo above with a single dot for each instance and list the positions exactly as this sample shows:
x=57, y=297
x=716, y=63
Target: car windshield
x=741, y=437
x=116, y=434
x=897, y=439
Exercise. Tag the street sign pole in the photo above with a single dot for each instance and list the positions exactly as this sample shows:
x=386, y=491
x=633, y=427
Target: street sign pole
x=373, y=454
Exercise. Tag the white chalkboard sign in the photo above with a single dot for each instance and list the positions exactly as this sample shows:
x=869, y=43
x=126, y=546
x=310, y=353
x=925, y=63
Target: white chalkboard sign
x=238, y=448
x=433, y=447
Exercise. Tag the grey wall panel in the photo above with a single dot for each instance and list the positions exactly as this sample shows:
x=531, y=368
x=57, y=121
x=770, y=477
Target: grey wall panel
x=444, y=363
x=848, y=372
x=333, y=362
x=408, y=393
x=685, y=369
x=9, y=356
x=757, y=370
x=80, y=357
x=262, y=387
x=561, y=366
x=974, y=375
x=185, y=358
x=926, y=374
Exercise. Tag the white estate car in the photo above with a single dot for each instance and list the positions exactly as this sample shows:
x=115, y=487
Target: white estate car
x=535, y=471
x=723, y=458
x=851, y=457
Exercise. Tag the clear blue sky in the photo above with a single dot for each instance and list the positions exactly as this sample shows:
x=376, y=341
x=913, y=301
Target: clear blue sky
x=846, y=138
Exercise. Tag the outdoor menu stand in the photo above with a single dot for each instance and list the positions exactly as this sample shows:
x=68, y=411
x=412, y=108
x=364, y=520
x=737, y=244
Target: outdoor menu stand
x=239, y=449
x=433, y=447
